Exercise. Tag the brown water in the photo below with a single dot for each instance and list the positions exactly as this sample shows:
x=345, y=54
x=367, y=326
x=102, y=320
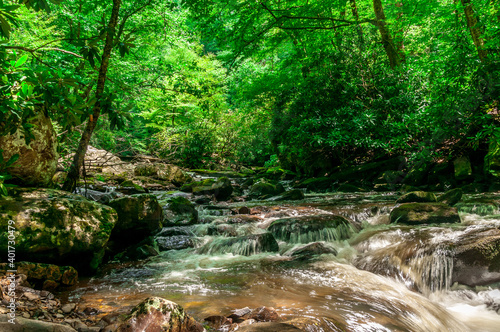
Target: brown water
x=325, y=294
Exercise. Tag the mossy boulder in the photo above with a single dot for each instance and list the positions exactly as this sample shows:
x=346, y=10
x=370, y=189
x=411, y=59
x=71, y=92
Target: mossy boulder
x=180, y=211
x=424, y=213
x=305, y=229
x=128, y=187
x=417, y=197
x=220, y=189
x=53, y=226
x=37, y=161
x=157, y=314
x=188, y=187
x=264, y=189
x=451, y=197
x=139, y=216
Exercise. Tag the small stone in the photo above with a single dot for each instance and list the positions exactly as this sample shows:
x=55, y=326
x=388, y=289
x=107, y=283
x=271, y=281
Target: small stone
x=59, y=316
x=26, y=315
x=265, y=314
x=31, y=296
x=243, y=210
x=68, y=307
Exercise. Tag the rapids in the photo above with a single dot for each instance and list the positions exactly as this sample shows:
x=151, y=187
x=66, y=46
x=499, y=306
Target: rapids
x=384, y=278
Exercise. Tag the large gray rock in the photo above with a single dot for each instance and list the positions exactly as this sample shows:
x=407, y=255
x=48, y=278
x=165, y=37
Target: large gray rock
x=220, y=189
x=424, y=213
x=157, y=314
x=37, y=161
x=180, y=211
x=53, y=226
x=166, y=172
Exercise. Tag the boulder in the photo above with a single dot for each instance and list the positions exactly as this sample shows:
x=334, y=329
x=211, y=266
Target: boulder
x=305, y=229
x=56, y=227
x=100, y=161
x=139, y=216
x=463, y=168
x=129, y=187
x=165, y=172
x=142, y=250
x=37, y=161
x=477, y=258
x=180, y=211
x=265, y=189
x=451, y=197
x=417, y=197
x=157, y=314
x=220, y=189
x=424, y=213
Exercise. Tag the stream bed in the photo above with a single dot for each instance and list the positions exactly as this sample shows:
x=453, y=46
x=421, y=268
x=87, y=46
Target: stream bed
x=383, y=278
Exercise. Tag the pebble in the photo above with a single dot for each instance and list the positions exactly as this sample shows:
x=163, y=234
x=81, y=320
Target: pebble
x=68, y=307
x=31, y=296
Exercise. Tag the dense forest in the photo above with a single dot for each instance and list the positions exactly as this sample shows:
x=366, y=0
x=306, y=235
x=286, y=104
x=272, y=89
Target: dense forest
x=269, y=165
x=303, y=85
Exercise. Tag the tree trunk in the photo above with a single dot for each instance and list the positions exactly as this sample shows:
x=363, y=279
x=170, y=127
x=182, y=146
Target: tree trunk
x=399, y=35
x=354, y=10
x=74, y=170
x=387, y=41
x=475, y=31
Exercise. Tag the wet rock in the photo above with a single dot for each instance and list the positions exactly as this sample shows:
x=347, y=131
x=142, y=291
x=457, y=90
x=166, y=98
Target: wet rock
x=265, y=314
x=242, y=245
x=98, y=196
x=56, y=227
x=217, y=322
x=139, y=216
x=305, y=229
x=180, y=211
x=477, y=258
x=269, y=327
x=417, y=197
x=174, y=242
x=220, y=189
x=37, y=161
x=243, y=210
x=142, y=250
x=291, y=195
x=157, y=314
x=310, y=250
x=265, y=189
x=50, y=285
x=451, y=197
x=424, y=213
x=242, y=219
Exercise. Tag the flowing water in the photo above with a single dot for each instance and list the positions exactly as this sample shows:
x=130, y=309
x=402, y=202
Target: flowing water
x=384, y=278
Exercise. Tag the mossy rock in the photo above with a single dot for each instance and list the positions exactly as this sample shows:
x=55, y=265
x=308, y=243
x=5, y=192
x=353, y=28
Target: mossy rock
x=265, y=189
x=451, y=197
x=142, y=250
x=157, y=314
x=38, y=273
x=128, y=187
x=53, y=226
x=180, y=211
x=188, y=188
x=306, y=229
x=220, y=189
x=417, y=197
x=424, y=213
x=139, y=216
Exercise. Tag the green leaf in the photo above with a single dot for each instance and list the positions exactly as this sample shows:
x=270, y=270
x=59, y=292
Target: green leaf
x=21, y=61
